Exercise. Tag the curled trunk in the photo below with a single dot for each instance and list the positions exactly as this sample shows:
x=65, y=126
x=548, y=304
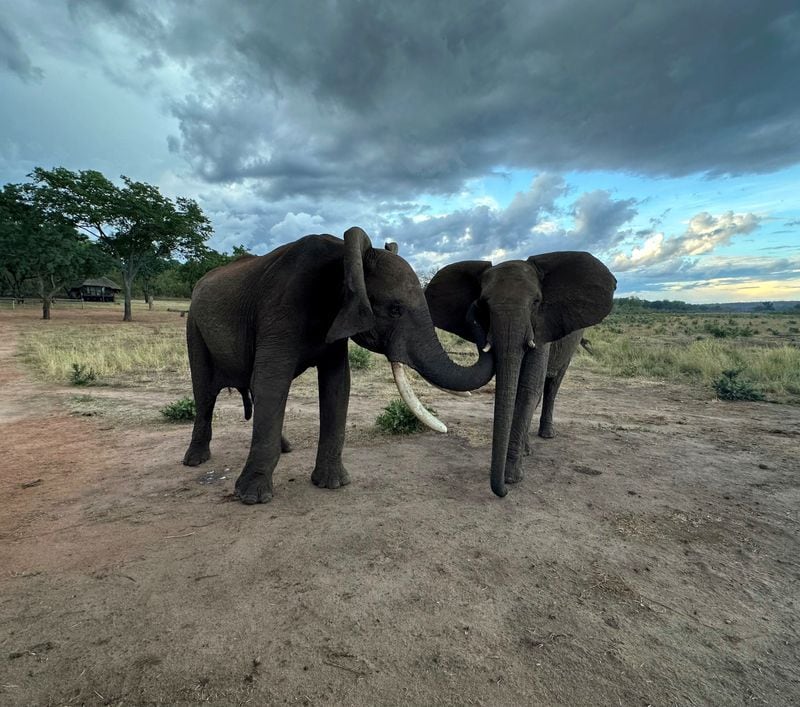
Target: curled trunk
x=429, y=359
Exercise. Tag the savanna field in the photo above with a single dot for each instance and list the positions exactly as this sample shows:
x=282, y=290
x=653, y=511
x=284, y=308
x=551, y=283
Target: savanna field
x=762, y=349
x=648, y=557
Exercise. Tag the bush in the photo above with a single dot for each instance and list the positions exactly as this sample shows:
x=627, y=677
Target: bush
x=180, y=410
x=397, y=419
x=727, y=332
x=730, y=387
x=81, y=375
x=360, y=359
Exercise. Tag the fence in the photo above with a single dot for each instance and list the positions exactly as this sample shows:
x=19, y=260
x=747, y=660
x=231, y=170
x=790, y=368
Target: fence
x=12, y=303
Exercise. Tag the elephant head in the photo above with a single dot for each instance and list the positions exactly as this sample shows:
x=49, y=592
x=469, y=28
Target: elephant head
x=513, y=307
x=384, y=310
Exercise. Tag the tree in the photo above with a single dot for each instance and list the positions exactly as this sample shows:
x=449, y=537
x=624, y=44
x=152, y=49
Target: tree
x=152, y=266
x=132, y=223
x=13, y=241
x=45, y=249
x=194, y=268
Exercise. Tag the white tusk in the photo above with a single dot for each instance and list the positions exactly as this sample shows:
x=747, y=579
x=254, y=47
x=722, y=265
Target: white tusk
x=458, y=393
x=532, y=343
x=487, y=348
x=410, y=399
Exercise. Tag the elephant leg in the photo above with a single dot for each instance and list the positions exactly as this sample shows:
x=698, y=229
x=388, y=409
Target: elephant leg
x=551, y=386
x=529, y=393
x=334, y=394
x=205, y=397
x=286, y=445
x=271, y=384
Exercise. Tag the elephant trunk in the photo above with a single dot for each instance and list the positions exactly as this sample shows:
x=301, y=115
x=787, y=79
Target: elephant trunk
x=509, y=354
x=430, y=360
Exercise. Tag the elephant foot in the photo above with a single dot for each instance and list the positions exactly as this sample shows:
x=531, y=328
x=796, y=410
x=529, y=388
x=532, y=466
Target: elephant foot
x=547, y=431
x=286, y=445
x=253, y=488
x=197, y=454
x=330, y=476
x=514, y=471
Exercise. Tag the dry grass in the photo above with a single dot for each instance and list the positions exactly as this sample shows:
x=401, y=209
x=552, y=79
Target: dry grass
x=112, y=352
x=689, y=348
x=681, y=347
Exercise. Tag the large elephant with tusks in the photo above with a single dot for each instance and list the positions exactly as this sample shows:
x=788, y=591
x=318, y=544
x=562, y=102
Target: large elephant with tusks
x=259, y=322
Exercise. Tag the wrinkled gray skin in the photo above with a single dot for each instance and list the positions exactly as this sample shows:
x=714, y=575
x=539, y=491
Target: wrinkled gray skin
x=531, y=313
x=257, y=323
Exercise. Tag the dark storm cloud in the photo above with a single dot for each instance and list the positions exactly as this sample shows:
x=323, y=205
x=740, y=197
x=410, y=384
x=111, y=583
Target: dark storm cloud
x=394, y=98
x=598, y=219
x=13, y=56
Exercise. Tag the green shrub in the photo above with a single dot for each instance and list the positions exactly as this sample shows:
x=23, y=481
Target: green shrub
x=730, y=387
x=397, y=419
x=180, y=410
x=81, y=375
x=360, y=359
x=727, y=332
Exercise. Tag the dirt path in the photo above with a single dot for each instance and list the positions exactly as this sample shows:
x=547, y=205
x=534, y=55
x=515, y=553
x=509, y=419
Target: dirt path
x=649, y=557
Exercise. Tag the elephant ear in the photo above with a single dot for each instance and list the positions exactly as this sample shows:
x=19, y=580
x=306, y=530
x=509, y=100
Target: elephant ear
x=356, y=313
x=451, y=294
x=577, y=292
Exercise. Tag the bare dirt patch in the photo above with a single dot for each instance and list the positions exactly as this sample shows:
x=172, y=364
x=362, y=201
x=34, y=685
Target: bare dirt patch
x=650, y=556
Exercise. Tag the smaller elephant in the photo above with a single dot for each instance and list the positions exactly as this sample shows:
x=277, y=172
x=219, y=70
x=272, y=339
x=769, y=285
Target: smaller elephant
x=531, y=315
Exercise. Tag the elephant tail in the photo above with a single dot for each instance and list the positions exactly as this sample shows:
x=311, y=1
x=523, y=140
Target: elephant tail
x=247, y=401
x=587, y=345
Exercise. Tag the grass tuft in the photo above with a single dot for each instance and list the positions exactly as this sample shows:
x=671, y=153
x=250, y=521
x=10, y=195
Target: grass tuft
x=397, y=419
x=360, y=359
x=730, y=387
x=180, y=411
x=80, y=375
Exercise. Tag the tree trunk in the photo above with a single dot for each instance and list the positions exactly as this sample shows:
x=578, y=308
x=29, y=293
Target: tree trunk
x=127, y=283
x=45, y=295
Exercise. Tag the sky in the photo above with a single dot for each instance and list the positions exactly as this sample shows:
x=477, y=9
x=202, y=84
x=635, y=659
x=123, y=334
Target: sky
x=663, y=137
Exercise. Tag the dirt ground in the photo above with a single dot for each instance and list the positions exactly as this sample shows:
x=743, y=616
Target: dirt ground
x=650, y=557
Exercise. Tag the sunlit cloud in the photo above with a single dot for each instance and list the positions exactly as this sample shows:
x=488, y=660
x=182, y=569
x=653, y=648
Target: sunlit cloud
x=703, y=234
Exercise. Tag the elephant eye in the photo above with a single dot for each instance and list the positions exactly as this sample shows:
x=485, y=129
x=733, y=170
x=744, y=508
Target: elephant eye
x=395, y=310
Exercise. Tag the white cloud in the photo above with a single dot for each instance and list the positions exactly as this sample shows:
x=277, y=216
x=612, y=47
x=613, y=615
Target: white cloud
x=294, y=226
x=703, y=235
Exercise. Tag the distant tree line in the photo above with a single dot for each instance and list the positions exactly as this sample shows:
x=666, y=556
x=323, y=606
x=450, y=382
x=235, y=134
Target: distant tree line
x=624, y=305
x=63, y=226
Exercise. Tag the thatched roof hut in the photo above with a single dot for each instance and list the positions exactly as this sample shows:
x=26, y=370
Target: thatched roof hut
x=99, y=289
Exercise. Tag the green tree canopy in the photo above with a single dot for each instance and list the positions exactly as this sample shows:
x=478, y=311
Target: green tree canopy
x=44, y=249
x=194, y=268
x=133, y=223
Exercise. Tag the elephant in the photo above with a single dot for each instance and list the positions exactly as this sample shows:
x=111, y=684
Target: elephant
x=530, y=314
x=257, y=323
